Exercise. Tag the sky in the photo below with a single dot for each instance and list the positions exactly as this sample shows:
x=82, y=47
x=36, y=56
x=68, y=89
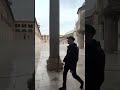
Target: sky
x=68, y=14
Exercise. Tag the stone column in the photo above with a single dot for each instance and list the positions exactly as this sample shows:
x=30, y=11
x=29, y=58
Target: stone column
x=54, y=63
x=111, y=34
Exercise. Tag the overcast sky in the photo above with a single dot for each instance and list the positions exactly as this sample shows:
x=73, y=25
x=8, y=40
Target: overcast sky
x=68, y=14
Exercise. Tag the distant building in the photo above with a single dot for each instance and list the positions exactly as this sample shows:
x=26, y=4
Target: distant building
x=45, y=38
x=63, y=38
x=38, y=38
x=6, y=21
x=24, y=30
x=80, y=27
x=25, y=22
x=60, y=38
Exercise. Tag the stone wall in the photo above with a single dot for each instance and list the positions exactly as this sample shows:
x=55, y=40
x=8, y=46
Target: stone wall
x=17, y=62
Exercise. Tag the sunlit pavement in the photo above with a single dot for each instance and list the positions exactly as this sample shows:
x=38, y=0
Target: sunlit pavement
x=46, y=80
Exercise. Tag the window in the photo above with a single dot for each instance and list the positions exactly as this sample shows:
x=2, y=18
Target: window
x=17, y=25
x=24, y=25
x=30, y=25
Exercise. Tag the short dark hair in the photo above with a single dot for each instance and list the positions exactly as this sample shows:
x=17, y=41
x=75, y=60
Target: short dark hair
x=90, y=29
x=71, y=37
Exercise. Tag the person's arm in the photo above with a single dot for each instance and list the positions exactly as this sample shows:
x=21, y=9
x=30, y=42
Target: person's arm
x=65, y=58
x=74, y=55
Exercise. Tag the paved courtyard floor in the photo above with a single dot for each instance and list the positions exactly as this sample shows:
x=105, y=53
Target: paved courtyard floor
x=46, y=80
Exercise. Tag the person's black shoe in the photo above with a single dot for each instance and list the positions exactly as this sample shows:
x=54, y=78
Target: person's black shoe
x=62, y=88
x=82, y=84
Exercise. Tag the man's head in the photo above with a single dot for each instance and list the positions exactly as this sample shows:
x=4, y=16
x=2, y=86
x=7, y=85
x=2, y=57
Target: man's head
x=89, y=32
x=71, y=39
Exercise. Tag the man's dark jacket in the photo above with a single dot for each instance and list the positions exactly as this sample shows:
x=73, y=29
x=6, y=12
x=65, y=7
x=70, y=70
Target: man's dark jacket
x=71, y=57
x=94, y=64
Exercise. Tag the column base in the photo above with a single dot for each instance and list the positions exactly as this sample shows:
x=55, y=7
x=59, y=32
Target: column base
x=53, y=64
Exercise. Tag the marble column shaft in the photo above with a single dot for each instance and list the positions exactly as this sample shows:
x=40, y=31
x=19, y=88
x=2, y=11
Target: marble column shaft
x=54, y=60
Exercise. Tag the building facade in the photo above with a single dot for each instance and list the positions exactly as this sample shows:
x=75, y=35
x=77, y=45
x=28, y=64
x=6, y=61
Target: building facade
x=6, y=21
x=45, y=38
x=63, y=38
x=80, y=27
x=38, y=36
x=24, y=30
x=27, y=30
x=24, y=19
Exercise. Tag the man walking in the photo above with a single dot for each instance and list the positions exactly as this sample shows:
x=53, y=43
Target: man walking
x=71, y=62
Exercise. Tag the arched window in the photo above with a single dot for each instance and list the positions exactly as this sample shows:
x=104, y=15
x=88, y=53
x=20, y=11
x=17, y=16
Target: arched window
x=24, y=26
x=30, y=25
x=17, y=25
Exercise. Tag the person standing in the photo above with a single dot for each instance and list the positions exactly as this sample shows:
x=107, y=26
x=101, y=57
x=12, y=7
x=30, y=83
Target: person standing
x=71, y=60
x=94, y=60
